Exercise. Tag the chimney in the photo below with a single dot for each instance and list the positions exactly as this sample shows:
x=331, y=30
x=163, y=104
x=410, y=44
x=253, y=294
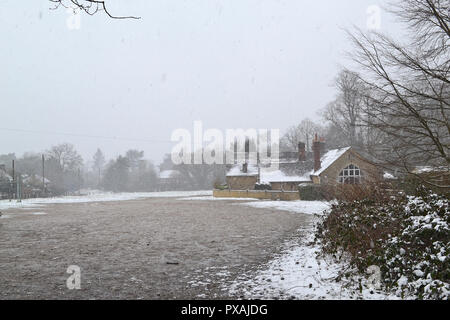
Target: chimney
x=322, y=145
x=247, y=149
x=301, y=152
x=245, y=167
x=316, y=150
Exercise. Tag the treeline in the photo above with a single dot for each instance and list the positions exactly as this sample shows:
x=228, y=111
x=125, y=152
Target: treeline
x=67, y=172
x=61, y=165
x=130, y=172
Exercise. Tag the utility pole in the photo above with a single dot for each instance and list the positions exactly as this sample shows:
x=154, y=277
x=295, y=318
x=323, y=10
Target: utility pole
x=43, y=175
x=19, y=189
x=79, y=181
x=14, y=177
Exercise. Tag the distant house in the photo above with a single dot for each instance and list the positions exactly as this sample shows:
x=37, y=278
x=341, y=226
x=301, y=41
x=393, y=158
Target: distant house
x=243, y=177
x=337, y=166
x=280, y=180
x=35, y=181
x=169, y=180
x=5, y=182
x=4, y=176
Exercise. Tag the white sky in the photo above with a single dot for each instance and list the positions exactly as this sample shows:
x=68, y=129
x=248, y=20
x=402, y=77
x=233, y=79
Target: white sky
x=229, y=63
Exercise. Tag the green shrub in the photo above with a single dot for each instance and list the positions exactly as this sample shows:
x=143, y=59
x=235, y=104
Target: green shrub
x=219, y=186
x=311, y=192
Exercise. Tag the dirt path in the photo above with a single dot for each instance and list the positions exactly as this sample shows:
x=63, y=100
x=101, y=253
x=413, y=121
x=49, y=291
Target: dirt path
x=159, y=248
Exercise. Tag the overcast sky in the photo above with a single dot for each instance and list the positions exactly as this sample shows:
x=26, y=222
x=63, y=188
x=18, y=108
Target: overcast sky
x=229, y=63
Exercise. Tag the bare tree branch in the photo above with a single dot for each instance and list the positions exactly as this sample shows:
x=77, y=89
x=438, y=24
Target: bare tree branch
x=90, y=7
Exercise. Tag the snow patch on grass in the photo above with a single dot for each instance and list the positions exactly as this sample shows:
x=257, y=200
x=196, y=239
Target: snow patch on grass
x=305, y=207
x=211, y=198
x=95, y=196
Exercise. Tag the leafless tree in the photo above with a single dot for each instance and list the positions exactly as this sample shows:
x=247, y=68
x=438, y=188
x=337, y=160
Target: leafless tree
x=409, y=87
x=63, y=167
x=303, y=132
x=346, y=110
x=65, y=156
x=89, y=7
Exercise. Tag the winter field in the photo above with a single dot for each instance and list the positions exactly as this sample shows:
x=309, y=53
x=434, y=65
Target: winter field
x=166, y=245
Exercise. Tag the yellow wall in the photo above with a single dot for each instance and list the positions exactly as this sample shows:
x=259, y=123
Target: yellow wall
x=256, y=194
x=286, y=186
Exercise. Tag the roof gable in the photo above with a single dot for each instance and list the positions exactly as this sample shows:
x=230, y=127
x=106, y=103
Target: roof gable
x=329, y=158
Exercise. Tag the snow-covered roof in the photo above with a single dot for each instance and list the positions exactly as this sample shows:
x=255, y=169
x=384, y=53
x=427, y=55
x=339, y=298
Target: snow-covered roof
x=4, y=175
x=328, y=158
x=167, y=174
x=280, y=176
x=236, y=171
x=33, y=178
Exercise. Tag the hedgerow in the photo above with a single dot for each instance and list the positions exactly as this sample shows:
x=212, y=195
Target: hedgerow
x=407, y=237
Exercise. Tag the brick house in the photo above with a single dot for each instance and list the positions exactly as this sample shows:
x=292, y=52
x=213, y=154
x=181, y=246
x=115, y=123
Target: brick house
x=243, y=177
x=169, y=180
x=332, y=167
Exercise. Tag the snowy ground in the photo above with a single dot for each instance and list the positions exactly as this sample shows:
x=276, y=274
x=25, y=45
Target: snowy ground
x=96, y=196
x=300, y=206
x=294, y=273
x=211, y=198
x=153, y=248
x=297, y=273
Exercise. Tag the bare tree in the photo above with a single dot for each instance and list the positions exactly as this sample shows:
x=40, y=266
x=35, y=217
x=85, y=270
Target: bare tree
x=89, y=7
x=347, y=115
x=303, y=132
x=64, y=167
x=65, y=156
x=409, y=87
x=346, y=110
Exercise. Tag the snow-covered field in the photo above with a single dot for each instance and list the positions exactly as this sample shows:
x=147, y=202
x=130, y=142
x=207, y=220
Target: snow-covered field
x=96, y=196
x=296, y=273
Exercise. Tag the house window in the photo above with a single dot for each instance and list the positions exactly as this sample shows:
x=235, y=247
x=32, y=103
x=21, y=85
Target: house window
x=350, y=175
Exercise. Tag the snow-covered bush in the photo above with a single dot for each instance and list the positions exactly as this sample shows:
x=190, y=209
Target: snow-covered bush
x=407, y=237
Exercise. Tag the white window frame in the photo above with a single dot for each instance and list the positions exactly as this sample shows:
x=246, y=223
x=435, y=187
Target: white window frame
x=350, y=173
